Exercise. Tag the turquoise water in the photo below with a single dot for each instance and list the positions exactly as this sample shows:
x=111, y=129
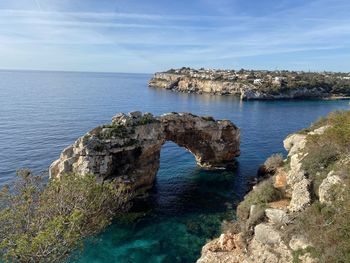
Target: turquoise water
x=43, y=112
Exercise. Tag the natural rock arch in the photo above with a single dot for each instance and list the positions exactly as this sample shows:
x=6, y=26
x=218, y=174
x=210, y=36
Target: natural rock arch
x=128, y=149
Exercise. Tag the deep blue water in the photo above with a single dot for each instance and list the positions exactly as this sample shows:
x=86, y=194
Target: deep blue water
x=43, y=112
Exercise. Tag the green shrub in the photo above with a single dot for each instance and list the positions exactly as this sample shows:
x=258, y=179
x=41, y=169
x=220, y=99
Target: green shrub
x=262, y=194
x=41, y=223
x=144, y=119
x=319, y=161
x=115, y=130
x=208, y=118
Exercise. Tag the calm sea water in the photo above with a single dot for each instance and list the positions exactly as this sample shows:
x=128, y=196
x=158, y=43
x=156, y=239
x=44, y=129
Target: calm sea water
x=43, y=112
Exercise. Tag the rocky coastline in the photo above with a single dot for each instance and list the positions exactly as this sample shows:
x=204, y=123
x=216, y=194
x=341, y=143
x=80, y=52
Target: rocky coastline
x=277, y=222
x=255, y=85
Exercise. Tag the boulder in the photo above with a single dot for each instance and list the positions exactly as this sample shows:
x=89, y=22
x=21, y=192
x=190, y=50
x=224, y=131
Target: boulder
x=331, y=189
x=276, y=216
x=266, y=234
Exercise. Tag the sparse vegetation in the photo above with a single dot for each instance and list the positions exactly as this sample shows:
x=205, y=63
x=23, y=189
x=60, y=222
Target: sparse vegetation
x=324, y=151
x=44, y=223
x=273, y=162
x=263, y=193
x=144, y=119
x=327, y=226
x=208, y=118
x=114, y=130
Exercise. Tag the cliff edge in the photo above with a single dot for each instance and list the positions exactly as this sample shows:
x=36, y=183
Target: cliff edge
x=300, y=211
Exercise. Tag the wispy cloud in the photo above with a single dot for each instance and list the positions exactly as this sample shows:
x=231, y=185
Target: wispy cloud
x=229, y=35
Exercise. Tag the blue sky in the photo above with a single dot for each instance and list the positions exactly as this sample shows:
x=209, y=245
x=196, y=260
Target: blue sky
x=148, y=36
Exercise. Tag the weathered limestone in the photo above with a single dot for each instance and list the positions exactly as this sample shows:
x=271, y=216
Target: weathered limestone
x=183, y=83
x=266, y=234
x=294, y=143
x=128, y=149
x=297, y=181
x=331, y=189
x=276, y=216
x=221, y=82
x=227, y=248
x=267, y=243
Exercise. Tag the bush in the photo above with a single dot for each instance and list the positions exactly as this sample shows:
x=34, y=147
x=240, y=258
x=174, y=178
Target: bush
x=319, y=161
x=261, y=195
x=114, y=130
x=273, y=162
x=41, y=223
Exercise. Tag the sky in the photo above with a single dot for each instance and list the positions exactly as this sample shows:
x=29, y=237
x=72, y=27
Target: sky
x=146, y=36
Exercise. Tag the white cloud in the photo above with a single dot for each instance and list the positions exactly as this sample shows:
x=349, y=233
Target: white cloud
x=80, y=38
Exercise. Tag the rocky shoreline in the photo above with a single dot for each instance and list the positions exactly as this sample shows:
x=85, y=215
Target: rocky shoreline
x=268, y=226
x=255, y=85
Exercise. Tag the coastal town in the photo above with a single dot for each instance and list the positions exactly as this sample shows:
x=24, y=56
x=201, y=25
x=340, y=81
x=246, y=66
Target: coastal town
x=255, y=84
x=276, y=77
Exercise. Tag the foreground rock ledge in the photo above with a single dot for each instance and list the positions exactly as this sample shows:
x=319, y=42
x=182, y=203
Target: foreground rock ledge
x=128, y=149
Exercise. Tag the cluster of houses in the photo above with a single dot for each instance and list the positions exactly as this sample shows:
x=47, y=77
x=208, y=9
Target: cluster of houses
x=256, y=77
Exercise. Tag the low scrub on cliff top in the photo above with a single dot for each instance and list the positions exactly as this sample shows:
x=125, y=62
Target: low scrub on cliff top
x=326, y=150
x=44, y=223
x=327, y=227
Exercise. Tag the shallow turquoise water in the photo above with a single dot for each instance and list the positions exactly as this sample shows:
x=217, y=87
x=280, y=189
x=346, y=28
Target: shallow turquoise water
x=43, y=112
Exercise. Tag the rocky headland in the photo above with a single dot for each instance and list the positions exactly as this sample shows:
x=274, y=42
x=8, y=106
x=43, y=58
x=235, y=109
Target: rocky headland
x=255, y=84
x=128, y=149
x=299, y=212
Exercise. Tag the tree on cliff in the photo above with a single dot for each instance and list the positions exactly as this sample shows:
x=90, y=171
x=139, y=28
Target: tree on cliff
x=41, y=223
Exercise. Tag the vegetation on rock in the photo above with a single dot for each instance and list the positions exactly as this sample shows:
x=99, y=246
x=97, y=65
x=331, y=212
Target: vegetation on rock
x=327, y=225
x=301, y=212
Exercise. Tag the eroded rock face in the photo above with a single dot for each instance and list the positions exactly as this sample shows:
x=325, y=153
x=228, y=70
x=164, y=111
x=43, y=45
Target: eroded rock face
x=128, y=149
x=268, y=242
x=223, y=83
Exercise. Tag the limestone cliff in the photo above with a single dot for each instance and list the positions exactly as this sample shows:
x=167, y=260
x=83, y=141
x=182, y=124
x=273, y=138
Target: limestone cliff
x=129, y=148
x=283, y=218
x=253, y=85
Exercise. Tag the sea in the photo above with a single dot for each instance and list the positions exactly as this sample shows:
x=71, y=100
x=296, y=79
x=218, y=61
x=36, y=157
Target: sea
x=42, y=112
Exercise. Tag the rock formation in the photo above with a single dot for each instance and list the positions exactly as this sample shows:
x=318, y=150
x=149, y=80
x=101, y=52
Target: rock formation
x=128, y=149
x=251, y=85
x=263, y=232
